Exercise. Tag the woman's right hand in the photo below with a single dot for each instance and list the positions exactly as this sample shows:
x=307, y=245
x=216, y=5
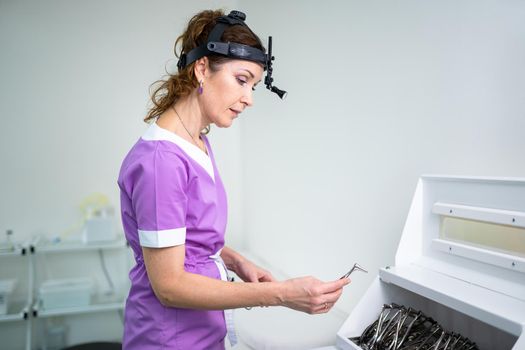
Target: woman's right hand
x=310, y=295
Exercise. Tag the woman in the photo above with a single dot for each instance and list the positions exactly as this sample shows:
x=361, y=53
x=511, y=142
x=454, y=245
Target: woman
x=174, y=204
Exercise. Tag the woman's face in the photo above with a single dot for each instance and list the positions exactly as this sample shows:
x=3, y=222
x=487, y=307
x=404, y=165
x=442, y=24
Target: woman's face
x=228, y=91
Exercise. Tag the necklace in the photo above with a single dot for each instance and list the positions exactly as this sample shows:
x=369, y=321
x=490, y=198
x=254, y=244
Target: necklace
x=189, y=133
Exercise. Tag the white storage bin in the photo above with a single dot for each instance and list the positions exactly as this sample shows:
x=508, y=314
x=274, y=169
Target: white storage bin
x=64, y=293
x=99, y=229
x=6, y=288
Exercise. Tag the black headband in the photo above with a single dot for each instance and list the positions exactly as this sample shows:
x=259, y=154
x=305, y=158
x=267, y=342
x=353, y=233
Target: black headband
x=214, y=46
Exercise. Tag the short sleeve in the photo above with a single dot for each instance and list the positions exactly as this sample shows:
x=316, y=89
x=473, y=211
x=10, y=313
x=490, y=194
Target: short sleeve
x=159, y=200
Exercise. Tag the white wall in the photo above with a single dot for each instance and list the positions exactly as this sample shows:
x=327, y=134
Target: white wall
x=379, y=93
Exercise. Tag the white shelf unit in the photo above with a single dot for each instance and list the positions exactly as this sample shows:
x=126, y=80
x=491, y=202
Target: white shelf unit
x=20, y=310
x=17, y=312
x=99, y=302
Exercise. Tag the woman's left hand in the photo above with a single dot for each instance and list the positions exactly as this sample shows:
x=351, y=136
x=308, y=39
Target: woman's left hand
x=249, y=272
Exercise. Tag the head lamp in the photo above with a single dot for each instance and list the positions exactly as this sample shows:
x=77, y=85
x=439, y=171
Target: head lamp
x=214, y=46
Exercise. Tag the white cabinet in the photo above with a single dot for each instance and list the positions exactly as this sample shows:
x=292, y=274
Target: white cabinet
x=460, y=261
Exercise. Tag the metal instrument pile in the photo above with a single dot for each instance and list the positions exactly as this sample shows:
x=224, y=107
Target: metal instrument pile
x=399, y=328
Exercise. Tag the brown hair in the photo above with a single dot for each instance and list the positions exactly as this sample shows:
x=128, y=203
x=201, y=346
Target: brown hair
x=167, y=92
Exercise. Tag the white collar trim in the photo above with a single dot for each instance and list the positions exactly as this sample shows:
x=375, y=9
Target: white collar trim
x=156, y=133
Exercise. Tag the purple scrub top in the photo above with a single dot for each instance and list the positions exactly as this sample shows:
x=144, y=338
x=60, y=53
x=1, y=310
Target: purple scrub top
x=171, y=194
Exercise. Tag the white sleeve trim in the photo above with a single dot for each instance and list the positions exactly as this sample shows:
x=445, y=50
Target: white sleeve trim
x=163, y=238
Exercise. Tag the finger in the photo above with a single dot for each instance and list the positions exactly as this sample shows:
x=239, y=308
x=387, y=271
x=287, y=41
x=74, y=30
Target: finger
x=323, y=308
x=267, y=277
x=253, y=277
x=333, y=296
x=329, y=287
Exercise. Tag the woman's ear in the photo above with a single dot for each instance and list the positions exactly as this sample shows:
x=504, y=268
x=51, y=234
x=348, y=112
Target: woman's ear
x=201, y=68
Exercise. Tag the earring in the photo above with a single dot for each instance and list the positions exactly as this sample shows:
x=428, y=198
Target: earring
x=200, y=88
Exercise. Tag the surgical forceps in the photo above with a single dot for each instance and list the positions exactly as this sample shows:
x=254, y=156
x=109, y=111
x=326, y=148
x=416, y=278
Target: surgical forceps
x=401, y=328
x=354, y=268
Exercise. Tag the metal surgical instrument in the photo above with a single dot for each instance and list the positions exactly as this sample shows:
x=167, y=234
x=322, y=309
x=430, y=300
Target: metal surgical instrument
x=416, y=331
x=354, y=268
